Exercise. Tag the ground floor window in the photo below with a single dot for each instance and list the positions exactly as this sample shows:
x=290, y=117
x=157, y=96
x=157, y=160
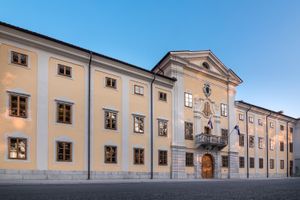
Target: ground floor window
x=224, y=161
x=271, y=163
x=138, y=154
x=162, y=157
x=261, y=163
x=189, y=159
x=281, y=164
x=17, y=148
x=242, y=162
x=64, y=151
x=110, y=154
x=251, y=162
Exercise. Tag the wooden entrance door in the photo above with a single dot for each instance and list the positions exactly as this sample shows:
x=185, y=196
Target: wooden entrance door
x=207, y=166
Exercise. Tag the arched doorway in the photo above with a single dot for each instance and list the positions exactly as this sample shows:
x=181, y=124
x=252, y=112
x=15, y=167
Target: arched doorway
x=207, y=166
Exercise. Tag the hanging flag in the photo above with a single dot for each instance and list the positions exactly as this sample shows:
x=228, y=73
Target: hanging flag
x=237, y=128
x=210, y=124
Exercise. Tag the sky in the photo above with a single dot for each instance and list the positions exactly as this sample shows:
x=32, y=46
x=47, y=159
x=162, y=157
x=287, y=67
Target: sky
x=258, y=39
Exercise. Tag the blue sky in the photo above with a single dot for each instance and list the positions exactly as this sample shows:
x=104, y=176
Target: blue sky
x=258, y=39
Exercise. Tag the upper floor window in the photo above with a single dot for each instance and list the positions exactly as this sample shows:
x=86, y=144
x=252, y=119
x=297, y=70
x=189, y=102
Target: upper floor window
x=281, y=146
x=224, y=111
x=260, y=142
x=251, y=119
x=272, y=144
x=64, y=113
x=242, y=140
x=110, y=119
x=17, y=148
x=189, y=159
x=224, y=161
x=188, y=130
x=260, y=122
x=291, y=130
x=241, y=117
x=64, y=151
x=138, y=122
x=224, y=134
x=281, y=127
x=18, y=105
x=110, y=154
x=291, y=147
x=19, y=58
x=188, y=100
x=162, y=96
x=110, y=82
x=139, y=90
x=162, y=127
x=271, y=125
x=64, y=70
x=138, y=154
x=162, y=157
x=251, y=141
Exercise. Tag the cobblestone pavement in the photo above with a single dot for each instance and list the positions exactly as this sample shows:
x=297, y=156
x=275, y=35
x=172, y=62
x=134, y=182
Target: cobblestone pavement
x=212, y=189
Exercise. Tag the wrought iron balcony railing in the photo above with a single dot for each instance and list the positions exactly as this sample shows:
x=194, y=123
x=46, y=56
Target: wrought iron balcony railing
x=209, y=141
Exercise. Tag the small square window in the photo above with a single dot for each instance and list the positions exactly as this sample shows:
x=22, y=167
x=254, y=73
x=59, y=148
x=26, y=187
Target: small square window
x=139, y=90
x=110, y=82
x=64, y=70
x=19, y=58
x=188, y=100
x=162, y=157
x=64, y=151
x=17, y=148
x=110, y=154
x=162, y=96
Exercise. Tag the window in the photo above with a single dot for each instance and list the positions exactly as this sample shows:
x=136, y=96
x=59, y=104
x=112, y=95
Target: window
x=242, y=140
x=251, y=119
x=224, y=161
x=271, y=125
x=110, y=154
x=205, y=65
x=162, y=157
x=18, y=105
x=138, y=155
x=261, y=163
x=17, y=148
x=189, y=159
x=241, y=117
x=188, y=100
x=260, y=122
x=162, y=127
x=271, y=163
x=110, y=82
x=260, y=142
x=64, y=151
x=224, y=111
x=272, y=144
x=281, y=127
x=291, y=147
x=138, y=123
x=224, y=134
x=19, y=58
x=251, y=162
x=64, y=113
x=110, y=120
x=188, y=130
x=281, y=164
x=281, y=146
x=64, y=70
x=291, y=130
x=251, y=141
x=162, y=96
x=242, y=162
x=139, y=90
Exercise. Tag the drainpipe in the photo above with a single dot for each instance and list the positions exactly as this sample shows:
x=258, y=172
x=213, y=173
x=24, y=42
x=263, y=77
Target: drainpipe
x=247, y=139
x=267, y=141
x=151, y=124
x=89, y=117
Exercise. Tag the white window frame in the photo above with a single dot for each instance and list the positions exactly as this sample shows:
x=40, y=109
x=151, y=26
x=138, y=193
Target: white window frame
x=188, y=100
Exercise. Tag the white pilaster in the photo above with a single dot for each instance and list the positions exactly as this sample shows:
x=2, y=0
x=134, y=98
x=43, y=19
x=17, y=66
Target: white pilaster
x=125, y=122
x=42, y=111
x=296, y=143
x=277, y=129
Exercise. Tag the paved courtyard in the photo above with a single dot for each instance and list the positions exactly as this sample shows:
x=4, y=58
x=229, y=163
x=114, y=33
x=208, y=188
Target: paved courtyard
x=212, y=189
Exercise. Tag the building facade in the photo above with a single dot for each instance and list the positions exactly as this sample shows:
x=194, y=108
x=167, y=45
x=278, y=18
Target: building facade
x=70, y=113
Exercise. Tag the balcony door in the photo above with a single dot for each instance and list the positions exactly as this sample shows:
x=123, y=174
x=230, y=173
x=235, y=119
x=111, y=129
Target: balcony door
x=207, y=166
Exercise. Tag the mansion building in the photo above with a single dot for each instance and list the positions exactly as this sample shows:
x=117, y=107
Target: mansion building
x=70, y=113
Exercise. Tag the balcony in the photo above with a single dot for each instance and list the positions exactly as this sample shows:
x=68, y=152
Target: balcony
x=209, y=141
